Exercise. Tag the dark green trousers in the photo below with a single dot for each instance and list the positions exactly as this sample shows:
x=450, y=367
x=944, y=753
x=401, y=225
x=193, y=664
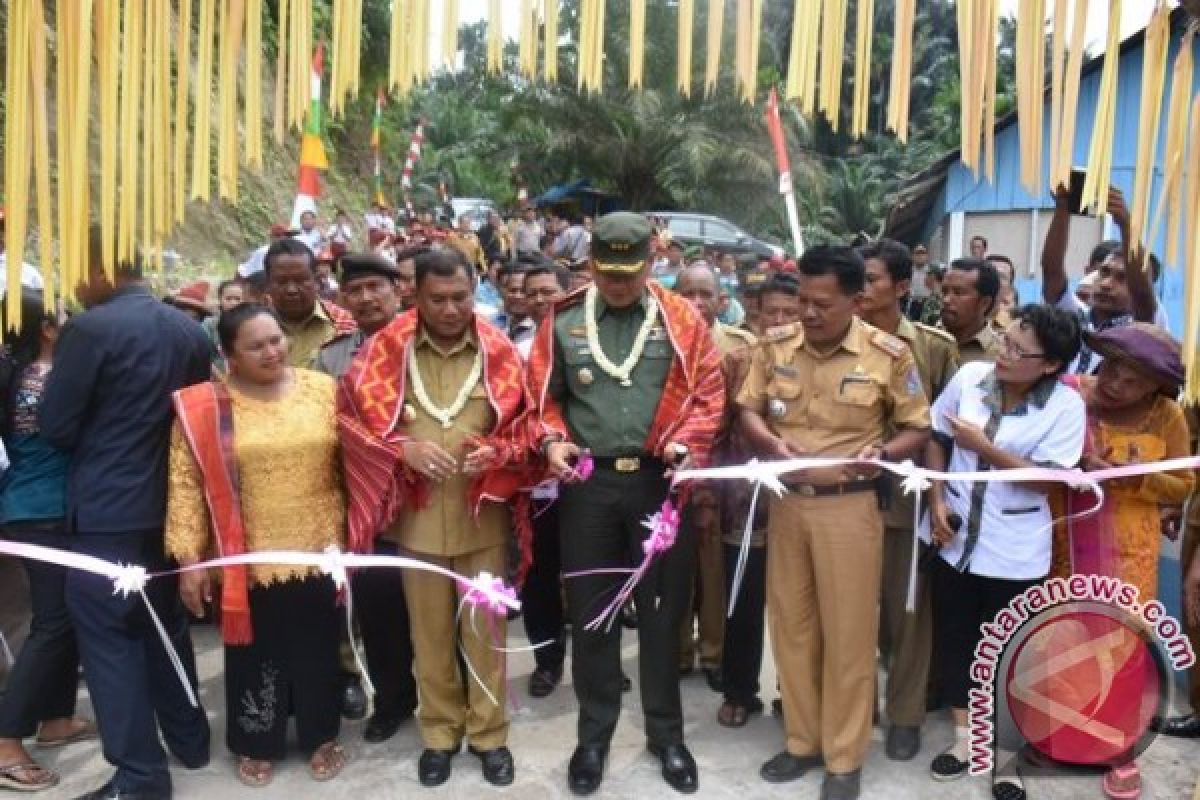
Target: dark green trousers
x=601, y=527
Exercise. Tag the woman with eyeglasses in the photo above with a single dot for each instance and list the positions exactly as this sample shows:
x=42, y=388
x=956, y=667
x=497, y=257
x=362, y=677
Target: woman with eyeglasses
x=994, y=538
x=1132, y=418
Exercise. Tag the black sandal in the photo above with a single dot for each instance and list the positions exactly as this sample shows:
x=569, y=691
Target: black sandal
x=1007, y=790
x=948, y=767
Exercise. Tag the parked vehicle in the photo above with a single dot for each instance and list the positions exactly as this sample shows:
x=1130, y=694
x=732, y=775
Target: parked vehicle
x=711, y=231
x=474, y=208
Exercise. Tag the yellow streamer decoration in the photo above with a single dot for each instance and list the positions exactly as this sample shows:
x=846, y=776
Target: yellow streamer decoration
x=1154, y=76
x=279, y=127
x=1070, y=102
x=450, y=33
x=901, y=92
x=527, y=48
x=747, y=35
x=41, y=152
x=227, y=143
x=131, y=47
x=254, y=82
x=202, y=126
x=550, y=25
x=1031, y=66
x=1191, y=277
x=862, y=68
x=637, y=42
x=1099, y=156
x=300, y=54
x=495, y=37
x=591, y=45
x=19, y=86
x=108, y=40
x=833, y=39
x=1177, y=130
x=347, y=35
x=683, y=70
x=712, y=53
x=183, y=42
x=976, y=42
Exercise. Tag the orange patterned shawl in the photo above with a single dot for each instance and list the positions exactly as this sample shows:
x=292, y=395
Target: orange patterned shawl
x=371, y=420
x=693, y=399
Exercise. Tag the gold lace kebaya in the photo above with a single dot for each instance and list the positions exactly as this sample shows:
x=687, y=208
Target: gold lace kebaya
x=290, y=472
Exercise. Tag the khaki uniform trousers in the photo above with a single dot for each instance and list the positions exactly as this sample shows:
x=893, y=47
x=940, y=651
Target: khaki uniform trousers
x=451, y=703
x=905, y=640
x=707, y=615
x=823, y=573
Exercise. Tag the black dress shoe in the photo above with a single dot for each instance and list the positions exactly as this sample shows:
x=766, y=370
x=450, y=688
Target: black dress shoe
x=787, y=767
x=354, y=700
x=381, y=727
x=497, y=765
x=678, y=766
x=586, y=769
x=843, y=786
x=433, y=769
x=543, y=681
x=1185, y=727
x=110, y=792
x=903, y=742
x=715, y=681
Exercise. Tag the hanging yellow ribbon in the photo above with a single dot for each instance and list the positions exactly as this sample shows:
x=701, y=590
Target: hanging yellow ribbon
x=131, y=48
x=712, y=51
x=901, y=82
x=1191, y=276
x=108, y=65
x=449, y=33
x=41, y=153
x=527, y=47
x=227, y=142
x=1182, y=75
x=202, y=125
x=183, y=63
x=550, y=24
x=1030, y=69
x=591, y=45
x=1154, y=76
x=747, y=35
x=637, y=42
x=495, y=37
x=862, y=68
x=683, y=70
x=20, y=90
x=833, y=39
x=254, y=80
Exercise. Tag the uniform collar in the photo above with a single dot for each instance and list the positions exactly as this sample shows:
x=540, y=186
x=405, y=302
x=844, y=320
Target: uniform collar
x=986, y=338
x=852, y=342
x=602, y=307
x=906, y=330
x=1038, y=396
x=467, y=342
x=319, y=313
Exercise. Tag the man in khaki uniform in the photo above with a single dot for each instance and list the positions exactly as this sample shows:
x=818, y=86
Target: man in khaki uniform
x=449, y=435
x=969, y=293
x=699, y=285
x=905, y=639
x=308, y=321
x=833, y=386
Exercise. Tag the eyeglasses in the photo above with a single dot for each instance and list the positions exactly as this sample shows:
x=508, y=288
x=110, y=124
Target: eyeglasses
x=1013, y=350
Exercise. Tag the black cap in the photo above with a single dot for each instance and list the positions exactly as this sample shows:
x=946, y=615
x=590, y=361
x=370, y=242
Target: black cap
x=358, y=265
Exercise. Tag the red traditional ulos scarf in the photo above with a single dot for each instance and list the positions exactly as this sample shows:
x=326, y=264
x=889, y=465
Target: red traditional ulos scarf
x=371, y=419
x=207, y=421
x=693, y=399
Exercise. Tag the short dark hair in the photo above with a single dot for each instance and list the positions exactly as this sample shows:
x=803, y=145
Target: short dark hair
x=979, y=238
x=779, y=283
x=223, y=285
x=1102, y=251
x=287, y=246
x=445, y=262
x=561, y=276
x=509, y=270
x=894, y=255
x=411, y=253
x=256, y=280
x=1057, y=331
x=987, y=282
x=838, y=260
x=230, y=323
x=998, y=258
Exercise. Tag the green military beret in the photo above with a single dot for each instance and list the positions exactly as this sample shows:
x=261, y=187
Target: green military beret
x=621, y=242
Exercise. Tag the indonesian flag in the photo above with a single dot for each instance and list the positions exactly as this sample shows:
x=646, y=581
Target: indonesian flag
x=414, y=155
x=778, y=141
x=312, y=149
x=376, y=146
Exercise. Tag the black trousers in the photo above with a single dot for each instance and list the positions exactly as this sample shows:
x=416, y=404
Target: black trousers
x=382, y=617
x=962, y=602
x=128, y=673
x=742, y=654
x=541, y=596
x=601, y=527
x=292, y=663
x=45, y=678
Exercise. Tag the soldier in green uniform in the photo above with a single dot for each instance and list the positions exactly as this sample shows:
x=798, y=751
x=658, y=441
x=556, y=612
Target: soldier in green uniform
x=905, y=639
x=628, y=371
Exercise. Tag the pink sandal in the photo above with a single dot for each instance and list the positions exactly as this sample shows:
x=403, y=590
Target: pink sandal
x=1123, y=782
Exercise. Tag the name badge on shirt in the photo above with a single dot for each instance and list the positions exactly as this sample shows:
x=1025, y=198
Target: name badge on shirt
x=656, y=335
x=786, y=372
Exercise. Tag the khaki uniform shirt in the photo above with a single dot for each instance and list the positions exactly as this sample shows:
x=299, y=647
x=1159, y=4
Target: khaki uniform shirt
x=936, y=354
x=468, y=245
x=736, y=347
x=837, y=403
x=306, y=338
x=335, y=356
x=983, y=346
x=446, y=526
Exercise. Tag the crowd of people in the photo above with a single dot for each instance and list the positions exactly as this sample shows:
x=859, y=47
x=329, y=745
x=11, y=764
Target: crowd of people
x=514, y=401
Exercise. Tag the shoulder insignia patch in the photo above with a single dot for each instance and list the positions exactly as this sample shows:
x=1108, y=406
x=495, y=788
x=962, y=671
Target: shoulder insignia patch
x=780, y=333
x=936, y=333
x=892, y=345
x=580, y=331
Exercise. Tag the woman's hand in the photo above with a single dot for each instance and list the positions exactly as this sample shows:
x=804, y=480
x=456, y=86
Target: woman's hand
x=480, y=459
x=195, y=590
x=940, y=530
x=967, y=435
x=560, y=457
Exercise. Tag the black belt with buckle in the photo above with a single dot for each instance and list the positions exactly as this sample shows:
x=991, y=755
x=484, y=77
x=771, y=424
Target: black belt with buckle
x=830, y=489
x=629, y=464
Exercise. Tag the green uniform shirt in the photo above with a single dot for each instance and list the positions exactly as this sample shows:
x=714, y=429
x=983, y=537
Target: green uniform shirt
x=603, y=416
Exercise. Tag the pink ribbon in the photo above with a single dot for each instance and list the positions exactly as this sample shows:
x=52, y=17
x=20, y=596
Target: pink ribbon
x=584, y=466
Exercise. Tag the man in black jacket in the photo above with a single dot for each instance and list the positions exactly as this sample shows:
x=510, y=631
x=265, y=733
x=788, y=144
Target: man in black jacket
x=108, y=404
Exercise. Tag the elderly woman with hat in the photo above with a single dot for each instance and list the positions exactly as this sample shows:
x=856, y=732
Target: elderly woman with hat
x=1132, y=418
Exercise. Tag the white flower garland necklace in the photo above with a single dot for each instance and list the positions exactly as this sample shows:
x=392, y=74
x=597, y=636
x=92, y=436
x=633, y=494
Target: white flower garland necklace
x=443, y=415
x=622, y=371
